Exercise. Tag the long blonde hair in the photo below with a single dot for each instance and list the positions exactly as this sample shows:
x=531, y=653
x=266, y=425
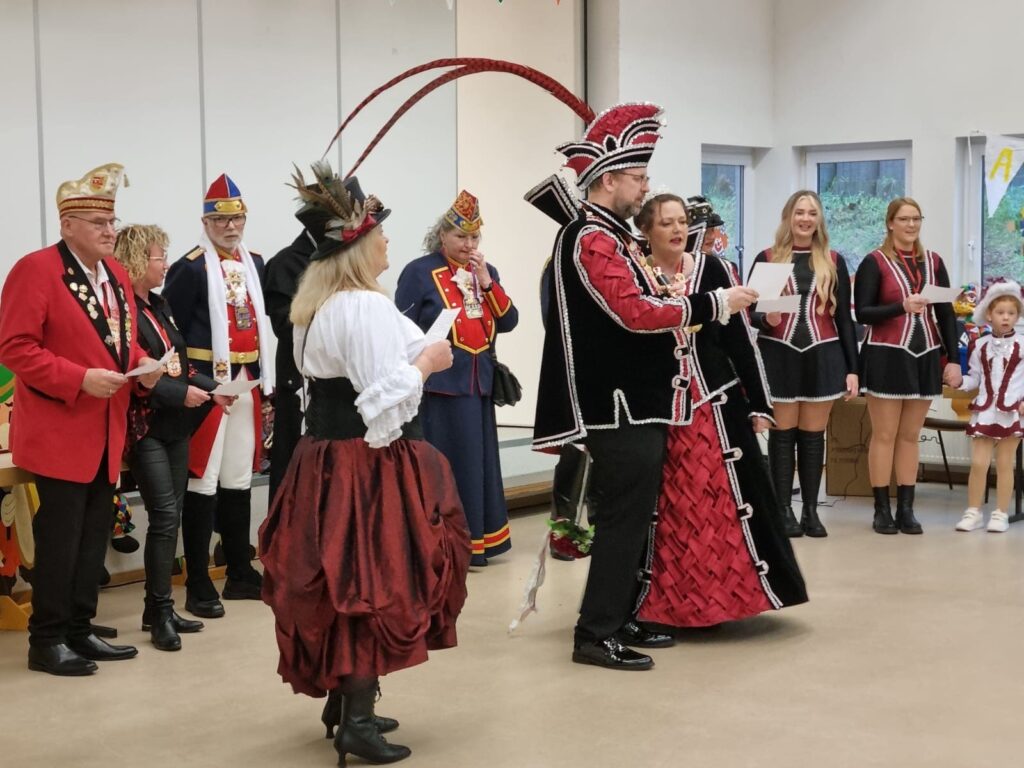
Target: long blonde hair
x=821, y=256
x=347, y=270
x=888, y=246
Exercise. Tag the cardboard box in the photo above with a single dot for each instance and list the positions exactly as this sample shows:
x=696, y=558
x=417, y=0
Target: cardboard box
x=848, y=435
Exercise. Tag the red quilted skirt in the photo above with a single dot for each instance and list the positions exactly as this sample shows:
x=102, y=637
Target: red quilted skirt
x=702, y=572
x=365, y=554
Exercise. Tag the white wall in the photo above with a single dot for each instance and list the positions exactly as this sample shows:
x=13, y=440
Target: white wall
x=508, y=129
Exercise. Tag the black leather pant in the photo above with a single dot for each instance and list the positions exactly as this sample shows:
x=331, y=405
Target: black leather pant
x=71, y=529
x=161, y=471
x=627, y=466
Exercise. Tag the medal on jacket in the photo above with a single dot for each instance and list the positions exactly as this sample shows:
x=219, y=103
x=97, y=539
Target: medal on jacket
x=467, y=284
x=237, y=296
x=243, y=317
x=174, y=366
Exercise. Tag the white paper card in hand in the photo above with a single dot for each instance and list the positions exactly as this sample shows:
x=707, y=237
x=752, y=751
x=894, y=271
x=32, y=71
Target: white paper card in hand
x=155, y=365
x=236, y=387
x=789, y=303
x=936, y=294
x=769, y=279
x=439, y=330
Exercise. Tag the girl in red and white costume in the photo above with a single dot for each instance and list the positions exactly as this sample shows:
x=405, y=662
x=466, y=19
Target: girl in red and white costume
x=995, y=370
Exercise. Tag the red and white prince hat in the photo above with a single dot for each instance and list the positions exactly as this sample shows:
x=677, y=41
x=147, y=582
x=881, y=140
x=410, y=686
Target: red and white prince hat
x=620, y=137
x=996, y=290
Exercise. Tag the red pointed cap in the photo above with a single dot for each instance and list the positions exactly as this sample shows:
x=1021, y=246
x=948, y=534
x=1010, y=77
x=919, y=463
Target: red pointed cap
x=223, y=198
x=620, y=137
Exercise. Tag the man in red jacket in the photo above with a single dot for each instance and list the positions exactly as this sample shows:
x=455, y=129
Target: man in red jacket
x=67, y=326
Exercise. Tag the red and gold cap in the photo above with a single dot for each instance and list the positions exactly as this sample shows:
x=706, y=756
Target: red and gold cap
x=465, y=213
x=93, y=192
x=223, y=198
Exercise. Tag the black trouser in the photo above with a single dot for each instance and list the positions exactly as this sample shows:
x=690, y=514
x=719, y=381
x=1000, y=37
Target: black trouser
x=287, y=431
x=71, y=529
x=626, y=472
x=161, y=470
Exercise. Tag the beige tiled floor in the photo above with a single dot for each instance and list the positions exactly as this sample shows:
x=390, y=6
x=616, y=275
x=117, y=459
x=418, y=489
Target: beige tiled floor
x=907, y=655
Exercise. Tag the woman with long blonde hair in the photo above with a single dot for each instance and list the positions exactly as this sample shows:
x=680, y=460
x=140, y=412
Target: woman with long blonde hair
x=810, y=356
x=901, y=359
x=365, y=546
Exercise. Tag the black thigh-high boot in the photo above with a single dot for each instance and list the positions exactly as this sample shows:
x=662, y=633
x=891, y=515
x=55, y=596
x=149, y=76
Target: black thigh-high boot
x=883, y=522
x=358, y=733
x=781, y=447
x=568, y=488
x=905, y=519
x=234, y=514
x=196, y=531
x=810, y=457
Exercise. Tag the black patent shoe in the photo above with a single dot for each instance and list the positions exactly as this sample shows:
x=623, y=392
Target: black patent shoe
x=206, y=609
x=635, y=635
x=107, y=633
x=93, y=648
x=59, y=660
x=181, y=625
x=236, y=589
x=612, y=654
x=164, y=635
x=811, y=524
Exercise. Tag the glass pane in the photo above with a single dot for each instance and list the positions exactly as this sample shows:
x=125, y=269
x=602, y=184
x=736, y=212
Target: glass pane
x=722, y=185
x=1001, y=238
x=855, y=196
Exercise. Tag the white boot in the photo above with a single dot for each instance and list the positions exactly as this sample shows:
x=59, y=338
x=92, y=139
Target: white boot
x=972, y=520
x=999, y=522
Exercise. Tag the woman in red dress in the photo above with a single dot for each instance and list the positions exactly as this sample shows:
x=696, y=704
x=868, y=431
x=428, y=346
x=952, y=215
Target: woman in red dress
x=720, y=552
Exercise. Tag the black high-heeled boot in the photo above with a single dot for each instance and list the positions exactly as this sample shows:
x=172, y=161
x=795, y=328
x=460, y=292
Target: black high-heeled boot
x=883, y=522
x=810, y=457
x=358, y=734
x=331, y=716
x=781, y=446
x=905, y=519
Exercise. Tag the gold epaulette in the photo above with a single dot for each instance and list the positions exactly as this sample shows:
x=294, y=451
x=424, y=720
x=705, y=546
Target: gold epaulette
x=195, y=253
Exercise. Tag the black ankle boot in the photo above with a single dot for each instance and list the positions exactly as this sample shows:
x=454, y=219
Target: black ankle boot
x=883, y=522
x=358, y=733
x=569, y=488
x=163, y=632
x=781, y=446
x=810, y=458
x=905, y=519
x=331, y=716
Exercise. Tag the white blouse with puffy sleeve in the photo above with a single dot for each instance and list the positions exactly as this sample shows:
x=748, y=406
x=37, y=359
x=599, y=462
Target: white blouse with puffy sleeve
x=362, y=336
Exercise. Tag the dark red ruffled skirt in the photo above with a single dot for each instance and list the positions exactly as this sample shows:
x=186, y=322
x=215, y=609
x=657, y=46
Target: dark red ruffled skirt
x=702, y=572
x=365, y=554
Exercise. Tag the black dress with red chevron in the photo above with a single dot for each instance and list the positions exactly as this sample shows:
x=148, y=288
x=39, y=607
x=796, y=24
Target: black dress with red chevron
x=720, y=552
x=808, y=356
x=901, y=357
x=457, y=411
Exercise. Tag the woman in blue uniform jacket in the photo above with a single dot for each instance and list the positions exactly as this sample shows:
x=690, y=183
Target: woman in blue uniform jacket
x=457, y=410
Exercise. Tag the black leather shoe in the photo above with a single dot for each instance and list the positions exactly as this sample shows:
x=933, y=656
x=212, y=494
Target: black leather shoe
x=811, y=524
x=207, y=609
x=163, y=634
x=883, y=522
x=612, y=654
x=58, y=660
x=793, y=528
x=635, y=635
x=905, y=519
x=183, y=626
x=108, y=633
x=235, y=589
x=92, y=648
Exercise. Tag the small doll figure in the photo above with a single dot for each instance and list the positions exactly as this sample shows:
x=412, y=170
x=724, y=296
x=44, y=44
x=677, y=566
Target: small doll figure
x=995, y=369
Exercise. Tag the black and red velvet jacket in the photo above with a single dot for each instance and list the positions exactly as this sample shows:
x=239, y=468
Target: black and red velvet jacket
x=615, y=353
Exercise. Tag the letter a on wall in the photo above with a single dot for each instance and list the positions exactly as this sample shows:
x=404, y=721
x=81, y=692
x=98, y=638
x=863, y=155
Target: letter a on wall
x=1004, y=156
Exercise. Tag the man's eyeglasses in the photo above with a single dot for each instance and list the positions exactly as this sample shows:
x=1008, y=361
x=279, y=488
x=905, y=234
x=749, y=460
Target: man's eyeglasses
x=909, y=219
x=222, y=222
x=643, y=178
x=100, y=224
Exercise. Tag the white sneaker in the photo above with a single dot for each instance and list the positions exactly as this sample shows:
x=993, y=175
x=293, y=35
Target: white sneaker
x=972, y=520
x=999, y=522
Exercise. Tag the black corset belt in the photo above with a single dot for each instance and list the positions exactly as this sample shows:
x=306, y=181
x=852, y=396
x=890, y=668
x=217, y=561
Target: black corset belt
x=332, y=414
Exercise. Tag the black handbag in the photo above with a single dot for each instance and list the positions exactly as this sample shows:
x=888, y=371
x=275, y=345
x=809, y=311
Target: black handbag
x=505, y=389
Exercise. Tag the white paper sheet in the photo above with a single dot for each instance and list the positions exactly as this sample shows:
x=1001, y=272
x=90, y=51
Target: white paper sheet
x=145, y=368
x=936, y=294
x=789, y=303
x=769, y=279
x=236, y=387
x=439, y=330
